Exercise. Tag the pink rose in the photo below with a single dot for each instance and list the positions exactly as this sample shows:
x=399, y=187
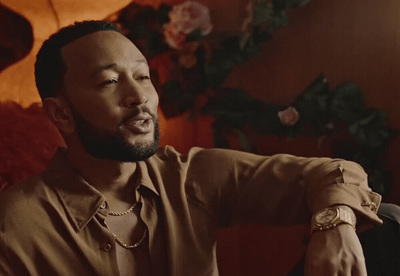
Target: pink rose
x=173, y=36
x=289, y=116
x=184, y=19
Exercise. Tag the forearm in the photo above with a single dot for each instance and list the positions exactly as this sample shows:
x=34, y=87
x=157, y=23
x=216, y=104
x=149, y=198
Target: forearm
x=278, y=190
x=288, y=190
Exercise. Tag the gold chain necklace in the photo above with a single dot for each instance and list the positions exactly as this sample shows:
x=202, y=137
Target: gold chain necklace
x=123, y=213
x=125, y=245
x=118, y=240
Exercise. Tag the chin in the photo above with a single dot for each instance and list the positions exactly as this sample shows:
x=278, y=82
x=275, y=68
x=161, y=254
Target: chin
x=139, y=141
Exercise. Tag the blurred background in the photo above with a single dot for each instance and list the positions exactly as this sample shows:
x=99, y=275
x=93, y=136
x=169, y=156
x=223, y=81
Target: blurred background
x=310, y=78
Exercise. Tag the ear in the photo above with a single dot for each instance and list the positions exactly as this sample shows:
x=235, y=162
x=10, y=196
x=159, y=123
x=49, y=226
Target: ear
x=60, y=114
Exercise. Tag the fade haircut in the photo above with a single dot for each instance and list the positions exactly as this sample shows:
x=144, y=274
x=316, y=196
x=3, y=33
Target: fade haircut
x=49, y=66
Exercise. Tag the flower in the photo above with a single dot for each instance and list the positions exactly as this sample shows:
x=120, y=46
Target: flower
x=174, y=38
x=187, y=57
x=289, y=116
x=184, y=19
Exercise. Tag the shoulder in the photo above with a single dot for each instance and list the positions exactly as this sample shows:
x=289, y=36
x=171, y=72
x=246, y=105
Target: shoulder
x=226, y=156
x=20, y=199
x=210, y=164
x=168, y=153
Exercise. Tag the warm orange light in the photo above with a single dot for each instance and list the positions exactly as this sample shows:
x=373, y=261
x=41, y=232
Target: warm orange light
x=17, y=81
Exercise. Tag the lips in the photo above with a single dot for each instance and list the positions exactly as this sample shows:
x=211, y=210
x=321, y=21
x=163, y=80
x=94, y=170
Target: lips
x=141, y=123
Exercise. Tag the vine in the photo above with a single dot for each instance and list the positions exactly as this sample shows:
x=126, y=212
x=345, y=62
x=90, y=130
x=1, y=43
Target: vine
x=190, y=62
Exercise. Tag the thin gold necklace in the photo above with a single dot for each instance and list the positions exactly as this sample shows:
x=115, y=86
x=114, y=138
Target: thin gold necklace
x=117, y=214
x=116, y=238
x=125, y=245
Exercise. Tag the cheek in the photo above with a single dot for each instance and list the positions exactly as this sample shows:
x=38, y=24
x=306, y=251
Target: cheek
x=99, y=113
x=154, y=100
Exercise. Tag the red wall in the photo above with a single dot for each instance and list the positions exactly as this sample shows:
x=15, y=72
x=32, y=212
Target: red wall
x=356, y=40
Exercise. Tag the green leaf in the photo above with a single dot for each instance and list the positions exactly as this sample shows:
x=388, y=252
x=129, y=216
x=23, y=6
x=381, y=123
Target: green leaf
x=217, y=72
x=262, y=13
x=371, y=130
x=266, y=119
x=163, y=13
x=303, y=2
x=280, y=20
x=313, y=104
x=347, y=102
x=219, y=135
x=224, y=59
x=243, y=140
x=173, y=100
x=287, y=4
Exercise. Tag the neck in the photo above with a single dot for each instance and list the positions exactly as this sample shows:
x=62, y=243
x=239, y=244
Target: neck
x=114, y=179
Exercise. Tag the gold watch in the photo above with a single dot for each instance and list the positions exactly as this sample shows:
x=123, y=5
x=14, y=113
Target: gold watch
x=330, y=217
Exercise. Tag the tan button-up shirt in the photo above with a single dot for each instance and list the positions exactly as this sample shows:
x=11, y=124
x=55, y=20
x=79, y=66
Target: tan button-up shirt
x=53, y=223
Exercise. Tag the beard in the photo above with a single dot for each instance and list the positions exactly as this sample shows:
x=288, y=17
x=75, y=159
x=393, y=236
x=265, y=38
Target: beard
x=112, y=145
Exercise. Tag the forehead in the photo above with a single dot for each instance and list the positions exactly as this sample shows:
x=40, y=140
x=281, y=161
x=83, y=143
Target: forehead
x=100, y=49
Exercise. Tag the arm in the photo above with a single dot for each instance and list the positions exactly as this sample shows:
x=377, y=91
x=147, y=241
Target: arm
x=237, y=187
x=287, y=190
x=336, y=251
x=328, y=182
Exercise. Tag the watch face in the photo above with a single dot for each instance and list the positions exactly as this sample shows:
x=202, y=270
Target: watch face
x=325, y=216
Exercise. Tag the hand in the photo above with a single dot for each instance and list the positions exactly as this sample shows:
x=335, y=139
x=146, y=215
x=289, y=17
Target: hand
x=337, y=252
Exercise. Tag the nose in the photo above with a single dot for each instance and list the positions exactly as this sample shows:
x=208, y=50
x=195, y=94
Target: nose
x=135, y=96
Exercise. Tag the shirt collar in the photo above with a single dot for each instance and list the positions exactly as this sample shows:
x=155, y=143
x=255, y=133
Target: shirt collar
x=81, y=200
x=144, y=178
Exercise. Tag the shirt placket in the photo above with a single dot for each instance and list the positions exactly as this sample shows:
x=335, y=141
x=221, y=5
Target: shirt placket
x=151, y=216
x=106, y=245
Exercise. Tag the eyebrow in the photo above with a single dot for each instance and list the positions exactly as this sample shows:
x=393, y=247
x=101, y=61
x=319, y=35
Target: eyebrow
x=112, y=66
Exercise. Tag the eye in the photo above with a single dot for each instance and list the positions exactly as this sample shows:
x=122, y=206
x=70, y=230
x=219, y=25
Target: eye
x=143, y=77
x=110, y=82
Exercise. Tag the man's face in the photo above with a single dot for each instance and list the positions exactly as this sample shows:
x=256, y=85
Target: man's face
x=108, y=87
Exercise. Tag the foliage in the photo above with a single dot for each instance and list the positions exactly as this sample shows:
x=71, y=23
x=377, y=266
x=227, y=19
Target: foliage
x=192, y=64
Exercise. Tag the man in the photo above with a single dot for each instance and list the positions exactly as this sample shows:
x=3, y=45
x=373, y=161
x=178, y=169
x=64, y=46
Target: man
x=113, y=203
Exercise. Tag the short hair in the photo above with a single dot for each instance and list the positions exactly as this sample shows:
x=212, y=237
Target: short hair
x=49, y=66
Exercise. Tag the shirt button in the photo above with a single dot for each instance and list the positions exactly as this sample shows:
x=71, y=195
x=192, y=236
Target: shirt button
x=107, y=247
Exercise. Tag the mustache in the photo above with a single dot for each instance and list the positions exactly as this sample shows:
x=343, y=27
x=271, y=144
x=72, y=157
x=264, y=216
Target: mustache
x=134, y=111
x=139, y=110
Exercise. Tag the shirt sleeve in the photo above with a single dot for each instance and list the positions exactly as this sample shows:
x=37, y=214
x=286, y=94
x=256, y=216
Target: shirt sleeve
x=5, y=268
x=277, y=190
